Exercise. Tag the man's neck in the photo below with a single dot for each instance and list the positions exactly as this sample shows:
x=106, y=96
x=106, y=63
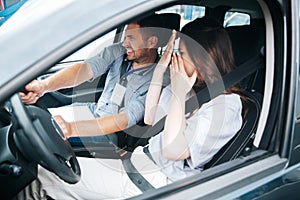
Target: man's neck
x=149, y=61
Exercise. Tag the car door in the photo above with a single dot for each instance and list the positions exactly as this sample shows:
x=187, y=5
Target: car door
x=271, y=170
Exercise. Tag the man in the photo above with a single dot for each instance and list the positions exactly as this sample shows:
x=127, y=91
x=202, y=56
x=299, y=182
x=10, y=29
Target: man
x=122, y=102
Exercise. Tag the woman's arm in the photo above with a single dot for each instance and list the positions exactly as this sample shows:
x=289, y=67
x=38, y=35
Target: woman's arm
x=175, y=146
x=153, y=96
x=156, y=82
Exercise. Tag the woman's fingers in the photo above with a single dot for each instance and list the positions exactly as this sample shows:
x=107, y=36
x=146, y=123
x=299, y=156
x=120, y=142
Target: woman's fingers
x=181, y=82
x=175, y=62
x=180, y=63
x=171, y=41
x=166, y=58
x=170, y=46
x=179, y=74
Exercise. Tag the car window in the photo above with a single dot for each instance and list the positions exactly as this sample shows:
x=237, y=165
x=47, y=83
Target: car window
x=93, y=48
x=187, y=12
x=236, y=19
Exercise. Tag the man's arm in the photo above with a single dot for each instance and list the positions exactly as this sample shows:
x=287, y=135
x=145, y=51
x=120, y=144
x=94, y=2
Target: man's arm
x=68, y=77
x=128, y=116
x=96, y=127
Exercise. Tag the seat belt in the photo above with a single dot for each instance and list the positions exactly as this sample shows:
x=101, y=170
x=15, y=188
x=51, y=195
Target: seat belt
x=124, y=65
x=135, y=176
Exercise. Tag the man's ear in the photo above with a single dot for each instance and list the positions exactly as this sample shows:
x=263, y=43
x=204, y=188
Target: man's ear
x=152, y=41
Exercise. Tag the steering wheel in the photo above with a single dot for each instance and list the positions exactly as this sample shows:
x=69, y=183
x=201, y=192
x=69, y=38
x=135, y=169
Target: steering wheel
x=40, y=139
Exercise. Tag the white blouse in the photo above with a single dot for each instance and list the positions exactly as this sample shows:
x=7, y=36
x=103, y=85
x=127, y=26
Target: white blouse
x=207, y=131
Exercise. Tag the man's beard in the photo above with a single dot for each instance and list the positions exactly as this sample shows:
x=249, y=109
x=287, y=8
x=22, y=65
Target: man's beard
x=138, y=59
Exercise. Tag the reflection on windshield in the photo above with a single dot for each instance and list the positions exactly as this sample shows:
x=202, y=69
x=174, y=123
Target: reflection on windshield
x=92, y=49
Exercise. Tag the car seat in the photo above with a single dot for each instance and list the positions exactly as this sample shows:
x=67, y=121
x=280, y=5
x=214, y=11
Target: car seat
x=247, y=41
x=241, y=143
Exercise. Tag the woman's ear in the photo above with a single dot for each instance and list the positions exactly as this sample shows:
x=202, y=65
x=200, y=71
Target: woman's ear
x=152, y=41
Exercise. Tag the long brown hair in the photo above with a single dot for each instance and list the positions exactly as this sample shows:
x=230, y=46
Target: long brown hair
x=209, y=47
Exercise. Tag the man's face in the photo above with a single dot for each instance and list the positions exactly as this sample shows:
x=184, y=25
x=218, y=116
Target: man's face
x=136, y=46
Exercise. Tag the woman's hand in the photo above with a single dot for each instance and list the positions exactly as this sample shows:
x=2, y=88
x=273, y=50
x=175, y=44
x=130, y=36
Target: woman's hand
x=157, y=82
x=64, y=126
x=175, y=144
x=180, y=81
x=166, y=58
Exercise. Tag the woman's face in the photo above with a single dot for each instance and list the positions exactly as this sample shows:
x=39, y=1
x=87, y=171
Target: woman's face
x=187, y=61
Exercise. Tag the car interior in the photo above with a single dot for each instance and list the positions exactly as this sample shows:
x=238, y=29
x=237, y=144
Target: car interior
x=18, y=165
x=246, y=47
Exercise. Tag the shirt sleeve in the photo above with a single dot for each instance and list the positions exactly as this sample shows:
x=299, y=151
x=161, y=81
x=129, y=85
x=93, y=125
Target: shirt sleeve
x=100, y=63
x=135, y=109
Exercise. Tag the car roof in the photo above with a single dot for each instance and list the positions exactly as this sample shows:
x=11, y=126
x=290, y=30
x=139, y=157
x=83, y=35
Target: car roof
x=37, y=29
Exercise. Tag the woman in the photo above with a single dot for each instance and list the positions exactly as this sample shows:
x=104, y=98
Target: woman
x=187, y=142
x=192, y=140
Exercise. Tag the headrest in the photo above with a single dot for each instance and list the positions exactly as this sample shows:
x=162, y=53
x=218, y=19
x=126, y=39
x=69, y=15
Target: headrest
x=162, y=25
x=246, y=41
x=170, y=20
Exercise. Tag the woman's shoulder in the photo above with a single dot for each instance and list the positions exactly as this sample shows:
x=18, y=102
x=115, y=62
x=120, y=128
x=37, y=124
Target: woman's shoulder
x=231, y=100
x=232, y=96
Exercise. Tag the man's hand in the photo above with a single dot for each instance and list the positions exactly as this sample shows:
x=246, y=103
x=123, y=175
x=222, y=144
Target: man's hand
x=64, y=126
x=35, y=89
